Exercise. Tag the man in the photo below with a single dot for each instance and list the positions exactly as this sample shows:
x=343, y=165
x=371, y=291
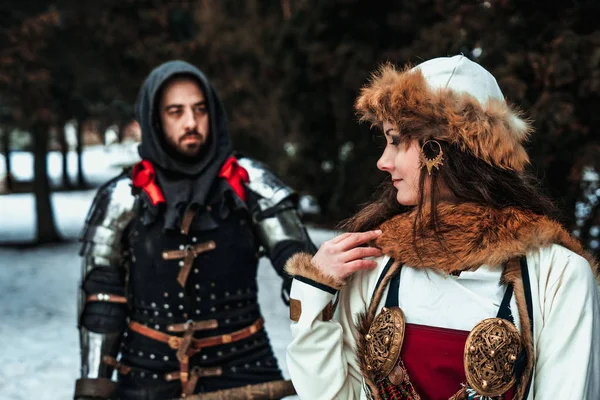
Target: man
x=170, y=252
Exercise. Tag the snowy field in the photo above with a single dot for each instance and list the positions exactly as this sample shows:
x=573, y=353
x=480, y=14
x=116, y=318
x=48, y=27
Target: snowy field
x=39, y=359
x=99, y=162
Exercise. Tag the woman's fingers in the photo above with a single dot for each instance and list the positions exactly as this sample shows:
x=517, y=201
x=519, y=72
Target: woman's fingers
x=361, y=252
x=358, y=265
x=339, y=238
x=358, y=239
x=343, y=255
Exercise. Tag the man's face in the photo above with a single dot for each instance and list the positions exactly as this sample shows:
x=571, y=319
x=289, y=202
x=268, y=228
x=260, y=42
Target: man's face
x=184, y=116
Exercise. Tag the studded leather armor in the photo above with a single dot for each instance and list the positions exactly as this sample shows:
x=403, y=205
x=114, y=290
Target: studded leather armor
x=138, y=278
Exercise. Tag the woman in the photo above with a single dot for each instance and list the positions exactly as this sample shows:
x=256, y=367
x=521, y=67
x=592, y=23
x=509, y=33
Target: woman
x=469, y=289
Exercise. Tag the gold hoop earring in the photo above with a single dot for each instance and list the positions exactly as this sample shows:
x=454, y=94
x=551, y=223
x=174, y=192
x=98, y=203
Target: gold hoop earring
x=434, y=162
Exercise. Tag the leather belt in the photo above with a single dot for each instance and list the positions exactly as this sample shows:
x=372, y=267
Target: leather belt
x=187, y=345
x=194, y=325
x=175, y=341
x=109, y=298
x=196, y=371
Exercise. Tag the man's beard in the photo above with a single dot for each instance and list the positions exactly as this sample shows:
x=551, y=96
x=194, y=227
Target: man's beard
x=201, y=149
x=194, y=148
x=177, y=153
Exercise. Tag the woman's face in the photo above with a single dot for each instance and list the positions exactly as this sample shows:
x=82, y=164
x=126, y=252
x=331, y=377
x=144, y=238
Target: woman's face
x=402, y=161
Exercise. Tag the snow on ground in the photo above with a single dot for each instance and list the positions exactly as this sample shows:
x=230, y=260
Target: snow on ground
x=18, y=219
x=39, y=357
x=40, y=352
x=99, y=162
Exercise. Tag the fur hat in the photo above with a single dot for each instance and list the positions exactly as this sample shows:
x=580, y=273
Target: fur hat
x=451, y=99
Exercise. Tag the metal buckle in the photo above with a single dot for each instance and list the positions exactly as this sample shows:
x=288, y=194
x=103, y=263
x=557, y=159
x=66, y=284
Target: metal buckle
x=189, y=323
x=175, y=342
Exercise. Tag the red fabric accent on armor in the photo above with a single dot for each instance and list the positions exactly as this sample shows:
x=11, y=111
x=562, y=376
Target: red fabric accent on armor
x=143, y=177
x=434, y=361
x=235, y=175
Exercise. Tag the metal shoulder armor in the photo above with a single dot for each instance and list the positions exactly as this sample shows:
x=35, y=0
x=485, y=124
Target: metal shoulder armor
x=273, y=208
x=269, y=189
x=108, y=217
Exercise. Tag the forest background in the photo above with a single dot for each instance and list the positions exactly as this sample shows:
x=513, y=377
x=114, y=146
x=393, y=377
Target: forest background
x=288, y=72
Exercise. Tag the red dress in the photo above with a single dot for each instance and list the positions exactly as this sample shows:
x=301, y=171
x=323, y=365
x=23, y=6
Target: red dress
x=432, y=357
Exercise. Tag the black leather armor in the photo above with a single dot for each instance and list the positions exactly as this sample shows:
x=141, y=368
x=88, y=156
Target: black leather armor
x=132, y=275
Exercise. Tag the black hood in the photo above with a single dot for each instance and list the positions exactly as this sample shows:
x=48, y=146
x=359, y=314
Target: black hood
x=153, y=147
x=185, y=182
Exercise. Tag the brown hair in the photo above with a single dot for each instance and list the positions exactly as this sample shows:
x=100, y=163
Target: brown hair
x=468, y=179
x=484, y=156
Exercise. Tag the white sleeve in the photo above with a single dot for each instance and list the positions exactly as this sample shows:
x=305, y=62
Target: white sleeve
x=322, y=355
x=568, y=340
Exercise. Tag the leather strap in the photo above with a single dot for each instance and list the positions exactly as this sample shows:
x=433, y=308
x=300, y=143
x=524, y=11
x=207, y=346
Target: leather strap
x=101, y=388
x=108, y=298
x=529, y=302
x=196, y=371
x=111, y=361
x=189, y=381
x=184, y=272
x=175, y=342
x=189, y=253
x=189, y=387
x=194, y=325
x=184, y=345
x=186, y=222
x=196, y=248
x=382, y=275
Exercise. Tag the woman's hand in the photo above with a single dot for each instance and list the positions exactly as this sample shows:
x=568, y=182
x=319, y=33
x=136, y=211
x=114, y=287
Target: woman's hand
x=343, y=255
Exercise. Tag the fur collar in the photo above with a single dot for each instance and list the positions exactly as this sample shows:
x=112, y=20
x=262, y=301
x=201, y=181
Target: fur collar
x=475, y=234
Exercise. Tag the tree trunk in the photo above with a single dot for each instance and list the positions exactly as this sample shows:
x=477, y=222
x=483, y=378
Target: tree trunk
x=64, y=147
x=121, y=133
x=7, y=162
x=81, y=183
x=102, y=126
x=46, y=229
x=286, y=8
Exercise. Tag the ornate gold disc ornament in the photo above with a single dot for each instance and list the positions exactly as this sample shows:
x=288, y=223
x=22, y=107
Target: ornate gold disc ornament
x=433, y=146
x=384, y=342
x=490, y=353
